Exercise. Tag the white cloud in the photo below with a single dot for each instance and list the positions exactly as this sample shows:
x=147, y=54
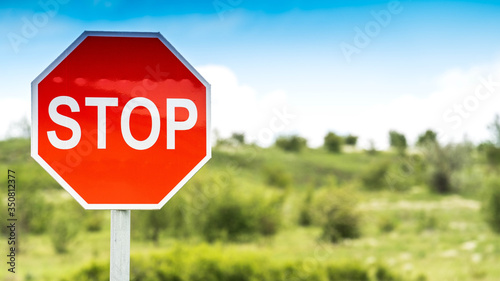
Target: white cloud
x=461, y=105
x=464, y=103
x=12, y=110
x=238, y=108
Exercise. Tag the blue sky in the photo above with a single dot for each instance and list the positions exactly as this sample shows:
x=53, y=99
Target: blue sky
x=418, y=60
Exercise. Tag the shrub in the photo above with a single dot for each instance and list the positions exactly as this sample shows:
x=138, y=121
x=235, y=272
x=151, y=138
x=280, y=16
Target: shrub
x=305, y=215
x=384, y=274
x=156, y=221
x=351, y=140
x=443, y=163
x=38, y=216
x=333, y=142
x=236, y=139
x=65, y=226
x=387, y=223
x=213, y=263
x=347, y=271
x=427, y=138
x=336, y=213
x=405, y=172
x=440, y=181
x=35, y=184
x=172, y=219
x=398, y=141
x=426, y=221
x=237, y=215
x=491, y=205
x=92, y=272
x=492, y=154
x=269, y=212
x=291, y=143
x=228, y=218
x=94, y=221
x=239, y=138
x=277, y=176
x=375, y=177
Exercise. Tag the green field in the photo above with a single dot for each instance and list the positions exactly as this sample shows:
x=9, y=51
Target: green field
x=263, y=212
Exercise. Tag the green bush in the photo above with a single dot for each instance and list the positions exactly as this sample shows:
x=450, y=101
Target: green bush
x=214, y=207
x=65, y=225
x=92, y=272
x=444, y=162
x=15, y=150
x=336, y=213
x=440, y=181
x=37, y=218
x=492, y=154
x=277, y=176
x=426, y=221
x=491, y=205
x=305, y=214
x=236, y=139
x=397, y=141
x=429, y=137
x=33, y=186
x=236, y=218
x=208, y=263
x=387, y=223
x=404, y=172
x=384, y=274
x=291, y=143
x=375, y=177
x=150, y=223
x=94, y=221
x=333, y=142
x=351, y=140
x=269, y=212
x=347, y=271
x=228, y=217
x=236, y=213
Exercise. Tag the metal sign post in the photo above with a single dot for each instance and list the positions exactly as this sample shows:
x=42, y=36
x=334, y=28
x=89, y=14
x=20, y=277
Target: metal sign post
x=120, y=246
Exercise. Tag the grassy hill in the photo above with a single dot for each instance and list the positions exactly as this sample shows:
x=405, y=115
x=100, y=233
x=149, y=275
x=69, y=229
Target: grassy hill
x=265, y=214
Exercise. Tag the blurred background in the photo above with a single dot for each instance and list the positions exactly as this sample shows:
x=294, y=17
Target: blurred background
x=383, y=164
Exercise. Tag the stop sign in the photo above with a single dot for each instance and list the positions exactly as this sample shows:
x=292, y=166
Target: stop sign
x=121, y=120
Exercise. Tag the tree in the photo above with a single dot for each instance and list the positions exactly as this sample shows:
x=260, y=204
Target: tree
x=429, y=137
x=492, y=148
x=19, y=129
x=335, y=210
x=239, y=138
x=372, y=149
x=491, y=205
x=351, y=140
x=291, y=143
x=397, y=140
x=494, y=128
x=333, y=142
x=444, y=163
x=236, y=139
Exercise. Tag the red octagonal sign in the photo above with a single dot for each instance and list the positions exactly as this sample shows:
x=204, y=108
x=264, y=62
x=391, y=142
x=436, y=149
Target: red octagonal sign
x=121, y=120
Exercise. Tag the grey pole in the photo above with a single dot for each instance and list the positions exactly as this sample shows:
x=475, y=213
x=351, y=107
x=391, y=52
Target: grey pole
x=120, y=246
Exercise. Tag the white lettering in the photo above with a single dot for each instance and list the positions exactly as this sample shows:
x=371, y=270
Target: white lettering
x=173, y=125
x=155, y=123
x=65, y=122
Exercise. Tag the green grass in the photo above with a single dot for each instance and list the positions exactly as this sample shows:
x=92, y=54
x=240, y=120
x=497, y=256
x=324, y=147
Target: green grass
x=458, y=247
x=413, y=232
